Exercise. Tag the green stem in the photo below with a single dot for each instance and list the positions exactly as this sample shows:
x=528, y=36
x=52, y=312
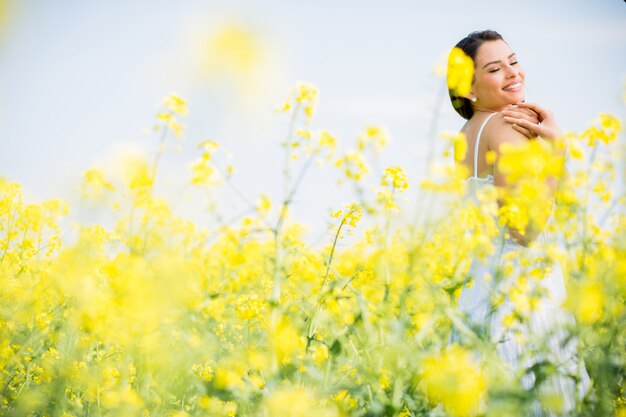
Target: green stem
x=276, y=288
x=585, y=210
x=318, y=305
x=9, y=232
x=157, y=157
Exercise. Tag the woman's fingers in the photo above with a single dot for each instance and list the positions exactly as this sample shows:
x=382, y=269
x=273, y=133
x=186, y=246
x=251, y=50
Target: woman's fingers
x=524, y=110
x=547, y=127
x=542, y=112
x=520, y=113
x=532, y=127
x=524, y=131
x=536, y=129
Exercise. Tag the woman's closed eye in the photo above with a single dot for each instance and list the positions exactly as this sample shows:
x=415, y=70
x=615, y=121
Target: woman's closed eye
x=498, y=69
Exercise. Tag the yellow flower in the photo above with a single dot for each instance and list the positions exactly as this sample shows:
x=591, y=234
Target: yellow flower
x=94, y=184
x=305, y=95
x=327, y=140
x=297, y=402
x=455, y=379
x=395, y=176
x=610, y=123
x=176, y=127
x=209, y=146
x=175, y=104
x=460, y=72
x=353, y=215
x=304, y=133
x=226, y=378
x=386, y=200
x=607, y=131
x=233, y=49
x=264, y=205
x=203, y=173
x=405, y=412
x=373, y=136
x=172, y=106
x=204, y=372
x=460, y=146
x=319, y=353
x=586, y=301
x=336, y=213
x=353, y=164
x=286, y=105
x=285, y=341
x=137, y=174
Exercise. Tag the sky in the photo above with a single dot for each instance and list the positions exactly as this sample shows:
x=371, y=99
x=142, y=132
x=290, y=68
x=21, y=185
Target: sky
x=81, y=80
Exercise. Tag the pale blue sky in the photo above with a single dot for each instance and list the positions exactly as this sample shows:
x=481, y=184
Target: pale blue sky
x=80, y=79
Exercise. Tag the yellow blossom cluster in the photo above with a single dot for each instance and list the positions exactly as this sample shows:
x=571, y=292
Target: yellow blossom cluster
x=460, y=72
x=303, y=96
x=153, y=314
x=375, y=137
x=455, y=379
x=172, y=107
x=395, y=177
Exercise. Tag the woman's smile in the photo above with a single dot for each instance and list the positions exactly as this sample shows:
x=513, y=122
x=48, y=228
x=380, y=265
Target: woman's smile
x=513, y=87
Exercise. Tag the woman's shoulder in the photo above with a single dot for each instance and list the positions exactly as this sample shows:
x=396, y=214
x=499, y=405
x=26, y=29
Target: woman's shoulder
x=497, y=132
x=478, y=120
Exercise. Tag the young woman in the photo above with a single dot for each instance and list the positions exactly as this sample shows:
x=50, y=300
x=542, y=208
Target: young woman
x=497, y=114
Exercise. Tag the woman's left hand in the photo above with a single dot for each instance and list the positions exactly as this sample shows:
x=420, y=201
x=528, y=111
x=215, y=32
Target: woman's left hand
x=547, y=126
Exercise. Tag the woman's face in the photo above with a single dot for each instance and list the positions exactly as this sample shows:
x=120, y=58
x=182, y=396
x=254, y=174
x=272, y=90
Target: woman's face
x=498, y=77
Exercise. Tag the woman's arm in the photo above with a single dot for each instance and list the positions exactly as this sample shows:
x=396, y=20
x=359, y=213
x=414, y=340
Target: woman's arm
x=498, y=133
x=507, y=129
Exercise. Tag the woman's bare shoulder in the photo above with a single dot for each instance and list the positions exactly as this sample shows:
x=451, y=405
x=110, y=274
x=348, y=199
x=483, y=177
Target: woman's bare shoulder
x=497, y=132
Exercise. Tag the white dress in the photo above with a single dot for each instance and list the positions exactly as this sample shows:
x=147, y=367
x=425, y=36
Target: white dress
x=546, y=321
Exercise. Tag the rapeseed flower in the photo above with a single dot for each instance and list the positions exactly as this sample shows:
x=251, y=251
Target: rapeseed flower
x=150, y=313
x=455, y=379
x=395, y=176
x=304, y=95
x=297, y=402
x=460, y=72
x=353, y=165
x=374, y=137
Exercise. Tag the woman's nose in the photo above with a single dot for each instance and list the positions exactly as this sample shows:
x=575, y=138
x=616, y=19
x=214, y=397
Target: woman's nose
x=510, y=71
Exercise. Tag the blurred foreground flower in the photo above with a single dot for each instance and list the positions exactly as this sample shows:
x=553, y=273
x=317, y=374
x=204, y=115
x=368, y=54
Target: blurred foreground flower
x=455, y=379
x=297, y=402
x=233, y=52
x=460, y=72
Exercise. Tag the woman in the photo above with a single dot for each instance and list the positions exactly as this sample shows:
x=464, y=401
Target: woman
x=497, y=115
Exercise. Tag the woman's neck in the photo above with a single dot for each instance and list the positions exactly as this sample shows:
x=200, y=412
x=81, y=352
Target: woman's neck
x=491, y=110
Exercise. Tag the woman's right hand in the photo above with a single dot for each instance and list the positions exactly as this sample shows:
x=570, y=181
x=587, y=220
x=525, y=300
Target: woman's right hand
x=516, y=112
x=546, y=126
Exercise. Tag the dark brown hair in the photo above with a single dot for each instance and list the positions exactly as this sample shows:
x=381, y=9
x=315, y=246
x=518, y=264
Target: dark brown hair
x=470, y=45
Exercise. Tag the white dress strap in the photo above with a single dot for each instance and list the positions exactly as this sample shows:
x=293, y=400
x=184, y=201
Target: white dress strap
x=480, y=131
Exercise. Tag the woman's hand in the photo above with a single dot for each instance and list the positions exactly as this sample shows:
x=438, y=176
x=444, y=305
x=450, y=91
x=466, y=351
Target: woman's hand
x=512, y=112
x=546, y=125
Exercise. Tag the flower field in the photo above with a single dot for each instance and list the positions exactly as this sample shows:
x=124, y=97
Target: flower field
x=155, y=315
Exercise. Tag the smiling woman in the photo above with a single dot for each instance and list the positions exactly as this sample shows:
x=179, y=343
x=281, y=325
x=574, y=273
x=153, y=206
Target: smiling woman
x=502, y=129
